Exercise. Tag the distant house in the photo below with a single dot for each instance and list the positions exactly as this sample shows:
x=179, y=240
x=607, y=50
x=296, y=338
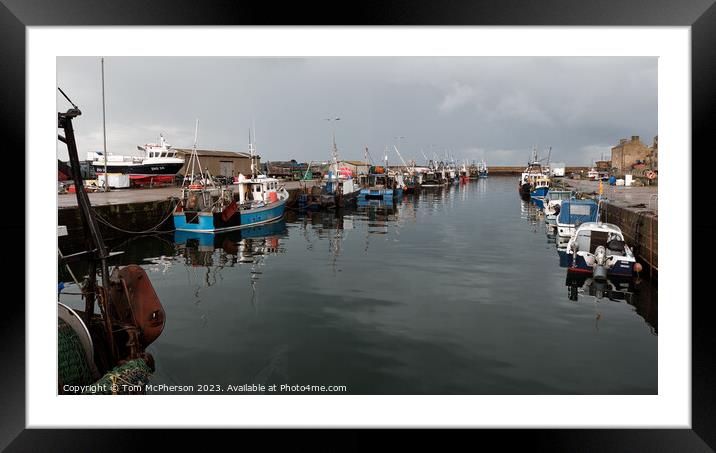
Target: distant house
x=627, y=153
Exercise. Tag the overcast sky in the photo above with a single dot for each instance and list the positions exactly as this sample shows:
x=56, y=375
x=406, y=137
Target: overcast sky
x=476, y=107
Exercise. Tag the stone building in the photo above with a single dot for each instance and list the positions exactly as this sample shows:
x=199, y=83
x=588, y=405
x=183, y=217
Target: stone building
x=652, y=160
x=627, y=153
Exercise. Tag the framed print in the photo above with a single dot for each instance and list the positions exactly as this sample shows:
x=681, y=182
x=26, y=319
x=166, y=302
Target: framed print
x=402, y=218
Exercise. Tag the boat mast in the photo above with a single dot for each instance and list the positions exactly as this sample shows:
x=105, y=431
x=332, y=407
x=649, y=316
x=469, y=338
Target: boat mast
x=401, y=158
x=334, y=152
x=194, y=158
x=251, y=153
x=104, y=132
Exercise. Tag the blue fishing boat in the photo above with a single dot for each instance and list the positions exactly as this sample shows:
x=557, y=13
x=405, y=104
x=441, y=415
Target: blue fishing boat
x=573, y=213
x=204, y=207
x=482, y=171
x=376, y=185
x=534, y=181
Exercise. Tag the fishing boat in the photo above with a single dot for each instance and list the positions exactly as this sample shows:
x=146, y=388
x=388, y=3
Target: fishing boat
x=572, y=213
x=339, y=188
x=599, y=249
x=159, y=163
x=553, y=204
x=413, y=181
x=464, y=174
x=380, y=183
x=534, y=181
x=482, y=169
x=411, y=177
x=103, y=348
x=375, y=185
x=206, y=208
x=432, y=178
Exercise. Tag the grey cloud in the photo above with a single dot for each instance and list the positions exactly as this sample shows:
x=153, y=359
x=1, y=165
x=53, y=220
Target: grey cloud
x=491, y=107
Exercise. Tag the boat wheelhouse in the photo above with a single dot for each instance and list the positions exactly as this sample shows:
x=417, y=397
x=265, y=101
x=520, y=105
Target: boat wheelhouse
x=572, y=213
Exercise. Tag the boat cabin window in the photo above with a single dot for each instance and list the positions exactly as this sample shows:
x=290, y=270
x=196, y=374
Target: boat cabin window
x=580, y=209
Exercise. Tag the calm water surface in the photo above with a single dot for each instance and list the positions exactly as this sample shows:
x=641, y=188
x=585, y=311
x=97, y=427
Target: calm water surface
x=454, y=291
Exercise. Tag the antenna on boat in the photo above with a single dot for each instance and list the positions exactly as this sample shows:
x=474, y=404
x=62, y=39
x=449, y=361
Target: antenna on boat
x=251, y=154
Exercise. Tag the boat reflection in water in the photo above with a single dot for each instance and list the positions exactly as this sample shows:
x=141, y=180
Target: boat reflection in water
x=217, y=251
x=614, y=290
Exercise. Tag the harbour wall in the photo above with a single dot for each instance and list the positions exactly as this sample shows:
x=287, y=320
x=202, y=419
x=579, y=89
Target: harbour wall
x=641, y=232
x=516, y=170
x=131, y=217
x=128, y=217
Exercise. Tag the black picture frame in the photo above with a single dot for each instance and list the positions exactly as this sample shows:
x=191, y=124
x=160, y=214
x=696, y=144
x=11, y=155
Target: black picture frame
x=700, y=15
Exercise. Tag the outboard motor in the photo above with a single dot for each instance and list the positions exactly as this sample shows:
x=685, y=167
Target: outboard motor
x=600, y=268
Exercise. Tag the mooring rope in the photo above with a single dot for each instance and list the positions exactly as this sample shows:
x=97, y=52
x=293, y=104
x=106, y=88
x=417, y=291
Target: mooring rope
x=150, y=230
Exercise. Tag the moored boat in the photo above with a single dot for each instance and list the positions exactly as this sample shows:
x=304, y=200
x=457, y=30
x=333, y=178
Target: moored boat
x=159, y=164
x=573, y=213
x=599, y=249
x=206, y=208
x=553, y=204
x=533, y=182
x=482, y=171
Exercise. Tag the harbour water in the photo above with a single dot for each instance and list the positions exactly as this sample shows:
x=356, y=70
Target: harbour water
x=452, y=291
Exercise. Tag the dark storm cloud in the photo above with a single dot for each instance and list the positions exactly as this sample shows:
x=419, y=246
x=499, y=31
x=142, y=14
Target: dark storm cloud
x=475, y=107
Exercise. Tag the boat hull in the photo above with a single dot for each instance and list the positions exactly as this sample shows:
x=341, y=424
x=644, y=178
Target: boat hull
x=539, y=192
x=212, y=222
x=141, y=170
x=376, y=194
x=621, y=268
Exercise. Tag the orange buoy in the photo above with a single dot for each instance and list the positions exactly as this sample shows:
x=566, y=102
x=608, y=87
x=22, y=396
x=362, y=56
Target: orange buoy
x=637, y=267
x=272, y=196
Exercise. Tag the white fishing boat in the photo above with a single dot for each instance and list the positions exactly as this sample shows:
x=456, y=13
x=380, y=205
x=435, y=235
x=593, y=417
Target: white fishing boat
x=553, y=203
x=158, y=164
